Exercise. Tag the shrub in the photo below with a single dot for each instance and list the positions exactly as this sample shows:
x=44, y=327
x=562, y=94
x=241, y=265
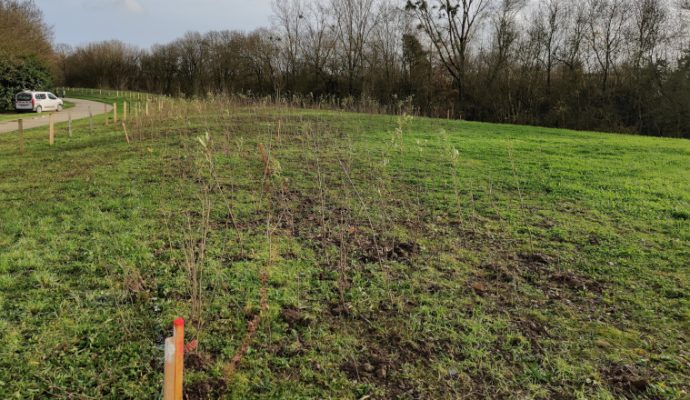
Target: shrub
x=20, y=74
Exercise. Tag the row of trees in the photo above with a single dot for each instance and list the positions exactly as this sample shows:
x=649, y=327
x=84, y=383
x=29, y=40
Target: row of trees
x=26, y=54
x=616, y=65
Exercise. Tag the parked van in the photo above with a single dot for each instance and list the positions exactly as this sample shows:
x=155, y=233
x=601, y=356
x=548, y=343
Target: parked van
x=37, y=102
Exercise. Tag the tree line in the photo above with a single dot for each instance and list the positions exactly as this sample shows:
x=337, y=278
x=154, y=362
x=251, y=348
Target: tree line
x=26, y=55
x=613, y=65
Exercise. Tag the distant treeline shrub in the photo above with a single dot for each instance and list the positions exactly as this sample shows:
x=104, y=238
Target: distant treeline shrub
x=18, y=75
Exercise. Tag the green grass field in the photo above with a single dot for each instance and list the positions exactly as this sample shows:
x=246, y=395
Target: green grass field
x=12, y=115
x=400, y=258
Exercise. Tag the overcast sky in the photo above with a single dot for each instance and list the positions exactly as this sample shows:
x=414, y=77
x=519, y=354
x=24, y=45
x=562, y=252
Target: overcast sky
x=145, y=22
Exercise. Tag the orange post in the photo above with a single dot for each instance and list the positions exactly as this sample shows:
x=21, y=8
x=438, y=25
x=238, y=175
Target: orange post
x=178, y=336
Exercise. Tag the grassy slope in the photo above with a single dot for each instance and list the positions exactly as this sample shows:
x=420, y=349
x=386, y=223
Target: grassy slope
x=451, y=259
x=11, y=115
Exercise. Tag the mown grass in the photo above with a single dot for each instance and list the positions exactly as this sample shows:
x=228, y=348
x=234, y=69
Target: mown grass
x=405, y=258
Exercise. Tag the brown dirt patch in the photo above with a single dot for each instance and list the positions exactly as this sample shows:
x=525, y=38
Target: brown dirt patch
x=625, y=380
x=294, y=317
x=570, y=280
x=207, y=389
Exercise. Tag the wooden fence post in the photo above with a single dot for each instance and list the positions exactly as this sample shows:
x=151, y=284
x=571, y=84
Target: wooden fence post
x=20, y=127
x=51, y=130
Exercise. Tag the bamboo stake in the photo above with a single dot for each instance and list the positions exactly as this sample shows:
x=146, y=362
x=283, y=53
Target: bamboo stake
x=51, y=130
x=20, y=127
x=124, y=127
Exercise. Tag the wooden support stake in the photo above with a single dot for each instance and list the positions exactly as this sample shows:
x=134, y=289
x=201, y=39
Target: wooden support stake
x=124, y=127
x=90, y=120
x=115, y=113
x=147, y=108
x=124, y=111
x=179, y=357
x=20, y=127
x=105, y=111
x=69, y=123
x=51, y=130
x=169, y=370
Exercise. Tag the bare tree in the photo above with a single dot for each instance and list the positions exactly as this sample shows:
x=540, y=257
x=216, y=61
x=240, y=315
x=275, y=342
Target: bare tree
x=575, y=31
x=354, y=22
x=318, y=43
x=386, y=48
x=23, y=31
x=647, y=32
x=606, y=36
x=62, y=53
x=505, y=34
x=289, y=16
x=450, y=25
x=549, y=22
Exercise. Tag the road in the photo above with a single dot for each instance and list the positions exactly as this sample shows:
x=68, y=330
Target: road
x=79, y=111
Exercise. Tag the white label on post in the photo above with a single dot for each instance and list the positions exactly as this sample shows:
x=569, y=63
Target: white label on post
x=169, y=350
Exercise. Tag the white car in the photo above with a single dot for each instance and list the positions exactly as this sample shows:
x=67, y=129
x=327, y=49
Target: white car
x=38, y=102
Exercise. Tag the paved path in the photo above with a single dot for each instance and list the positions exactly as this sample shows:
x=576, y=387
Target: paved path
x=79, y=111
